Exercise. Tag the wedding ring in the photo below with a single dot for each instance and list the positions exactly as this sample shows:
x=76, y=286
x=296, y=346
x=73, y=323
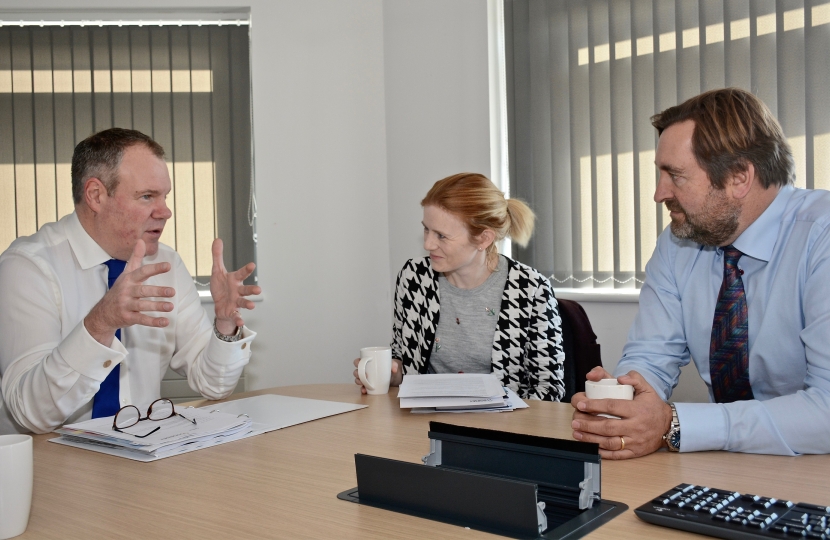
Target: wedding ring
x=622, y=443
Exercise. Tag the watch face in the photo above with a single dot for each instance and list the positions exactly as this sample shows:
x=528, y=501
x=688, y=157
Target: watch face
x=674, y=439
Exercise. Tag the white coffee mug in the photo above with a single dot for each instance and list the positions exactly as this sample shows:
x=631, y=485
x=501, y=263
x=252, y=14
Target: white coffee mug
x=16, y=473
x=608, y=389
x=375, y=369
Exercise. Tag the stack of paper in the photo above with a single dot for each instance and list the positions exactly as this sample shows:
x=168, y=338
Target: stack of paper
x=174, y=436
x=217, y=423
x=462, y=392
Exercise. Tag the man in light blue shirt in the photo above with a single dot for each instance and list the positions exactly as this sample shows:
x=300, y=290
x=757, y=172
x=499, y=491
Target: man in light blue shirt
x=726, y=175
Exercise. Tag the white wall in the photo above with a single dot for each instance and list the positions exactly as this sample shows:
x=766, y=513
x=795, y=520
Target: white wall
x=437, y=106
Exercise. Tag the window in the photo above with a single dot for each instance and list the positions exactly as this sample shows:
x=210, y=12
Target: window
x=185, y=85
x=583, y=78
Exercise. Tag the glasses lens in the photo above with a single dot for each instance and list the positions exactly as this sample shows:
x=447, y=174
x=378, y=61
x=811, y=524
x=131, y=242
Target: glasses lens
x=126, y=417
x=160, y=409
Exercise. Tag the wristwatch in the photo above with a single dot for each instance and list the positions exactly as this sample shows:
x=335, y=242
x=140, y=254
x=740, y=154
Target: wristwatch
x=672, y=437
x=228, y=339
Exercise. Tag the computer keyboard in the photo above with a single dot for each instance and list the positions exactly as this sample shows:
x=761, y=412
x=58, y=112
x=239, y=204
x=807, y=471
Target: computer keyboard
x=733, y=515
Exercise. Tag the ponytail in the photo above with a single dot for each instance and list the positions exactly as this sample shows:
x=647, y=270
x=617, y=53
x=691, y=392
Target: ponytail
x=522, y=219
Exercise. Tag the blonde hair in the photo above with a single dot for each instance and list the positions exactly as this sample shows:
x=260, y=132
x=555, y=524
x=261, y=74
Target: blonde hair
x=480, y=205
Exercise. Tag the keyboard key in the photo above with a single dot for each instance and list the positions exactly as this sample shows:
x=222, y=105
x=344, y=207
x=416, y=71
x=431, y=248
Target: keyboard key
x=813, y=507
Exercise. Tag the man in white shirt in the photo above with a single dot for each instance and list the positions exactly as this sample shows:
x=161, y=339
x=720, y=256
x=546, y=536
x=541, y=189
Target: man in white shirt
x=73, y=347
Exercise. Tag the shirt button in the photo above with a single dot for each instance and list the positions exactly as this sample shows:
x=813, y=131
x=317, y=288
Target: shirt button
x=244, y=345
x=108, y=363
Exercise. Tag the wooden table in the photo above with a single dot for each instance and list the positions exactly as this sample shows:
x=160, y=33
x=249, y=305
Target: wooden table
x=284, y=484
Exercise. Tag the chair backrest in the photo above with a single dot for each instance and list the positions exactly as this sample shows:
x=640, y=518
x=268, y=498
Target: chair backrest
x=579, y=342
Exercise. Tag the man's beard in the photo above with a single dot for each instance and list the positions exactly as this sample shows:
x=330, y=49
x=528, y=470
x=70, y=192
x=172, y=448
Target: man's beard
x=713, y=226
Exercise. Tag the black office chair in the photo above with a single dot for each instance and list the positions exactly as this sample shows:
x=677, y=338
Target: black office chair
x=579, y=342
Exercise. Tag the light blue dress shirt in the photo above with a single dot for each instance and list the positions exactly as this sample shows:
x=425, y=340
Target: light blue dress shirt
x=786, y=266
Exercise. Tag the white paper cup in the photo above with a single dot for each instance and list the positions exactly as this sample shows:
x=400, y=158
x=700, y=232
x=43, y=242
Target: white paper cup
x=608, y=389
x=16, y=473
x=375, y=369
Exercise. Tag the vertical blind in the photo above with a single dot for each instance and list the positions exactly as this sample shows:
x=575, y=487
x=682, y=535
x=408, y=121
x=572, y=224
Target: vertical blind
x=583, y=78
x=188, y=87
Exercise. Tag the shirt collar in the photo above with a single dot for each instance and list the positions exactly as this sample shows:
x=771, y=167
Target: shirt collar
x=758, y=240
x=87, y=251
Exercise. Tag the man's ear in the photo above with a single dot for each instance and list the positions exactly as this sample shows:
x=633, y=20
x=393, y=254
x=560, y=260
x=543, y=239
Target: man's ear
x=742, y=182
x=94, y=194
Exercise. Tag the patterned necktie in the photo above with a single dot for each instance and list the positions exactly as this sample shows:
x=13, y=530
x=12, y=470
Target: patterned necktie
x=729, y=349
x=105, y=402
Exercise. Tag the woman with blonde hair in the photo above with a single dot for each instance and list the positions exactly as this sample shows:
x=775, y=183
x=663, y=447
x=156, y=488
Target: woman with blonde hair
x=465, y=308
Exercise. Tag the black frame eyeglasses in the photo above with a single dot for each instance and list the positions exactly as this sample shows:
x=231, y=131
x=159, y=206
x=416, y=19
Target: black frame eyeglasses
x=160, y=409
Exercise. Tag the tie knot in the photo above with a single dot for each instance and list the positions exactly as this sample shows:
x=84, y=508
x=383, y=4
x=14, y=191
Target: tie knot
x=731, y=256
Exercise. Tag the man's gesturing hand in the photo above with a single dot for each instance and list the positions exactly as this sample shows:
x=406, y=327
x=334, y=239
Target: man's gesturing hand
x=124, y=303
x=642, y=422
x=229, y=293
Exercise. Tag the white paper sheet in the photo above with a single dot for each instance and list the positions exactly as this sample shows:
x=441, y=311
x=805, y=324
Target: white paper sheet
x=450, y=385
x=511, y=402
x=457, y=402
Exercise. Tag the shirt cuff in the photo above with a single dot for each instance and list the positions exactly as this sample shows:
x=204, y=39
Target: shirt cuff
x=702, y=426
x=231, y=352
x=80, y=351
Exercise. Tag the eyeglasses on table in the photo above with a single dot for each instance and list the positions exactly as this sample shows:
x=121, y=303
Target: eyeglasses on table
x=160, y=409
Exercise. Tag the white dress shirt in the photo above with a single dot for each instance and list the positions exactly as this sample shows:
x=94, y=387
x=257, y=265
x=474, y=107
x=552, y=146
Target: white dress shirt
x=51, y=367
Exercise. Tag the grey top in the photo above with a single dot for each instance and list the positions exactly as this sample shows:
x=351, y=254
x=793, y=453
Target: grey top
x=464, y=337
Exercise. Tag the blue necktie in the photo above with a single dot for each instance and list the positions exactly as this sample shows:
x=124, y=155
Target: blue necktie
x=105, y=402
x=728, y=348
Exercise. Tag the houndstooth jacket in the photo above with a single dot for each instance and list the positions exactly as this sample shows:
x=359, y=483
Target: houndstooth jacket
x=527, y=346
